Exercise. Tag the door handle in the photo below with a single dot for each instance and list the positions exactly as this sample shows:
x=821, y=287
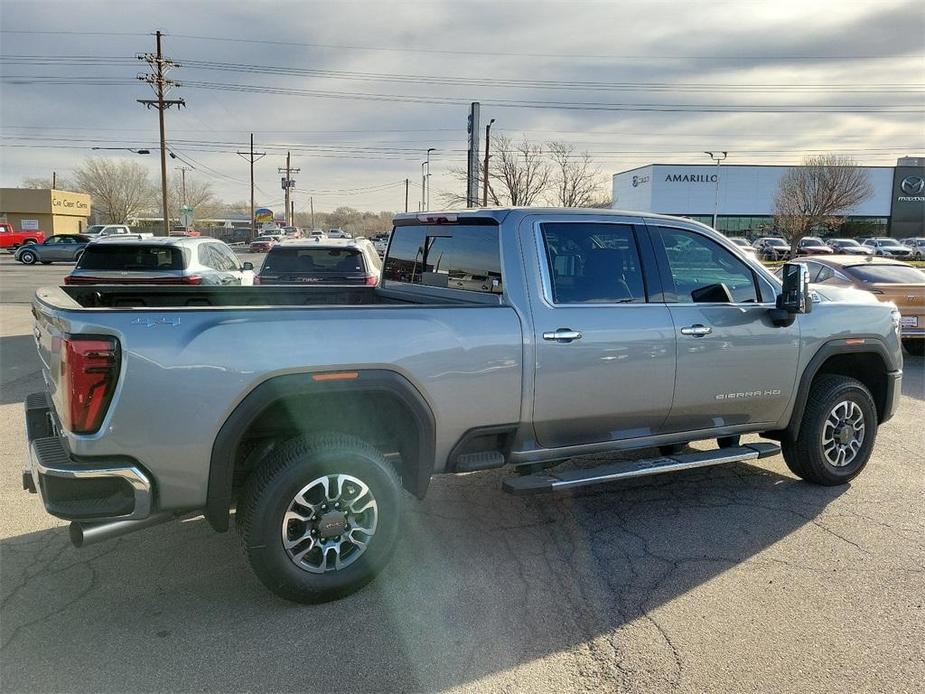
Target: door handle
x=697, y=330
x=562, y=335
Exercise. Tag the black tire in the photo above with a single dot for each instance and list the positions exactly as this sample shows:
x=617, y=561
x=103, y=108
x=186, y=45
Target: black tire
x=915, y=347
x=28, y=242
x=805, y=456
x=28, y=258
x=728, y=441
x=270, y=490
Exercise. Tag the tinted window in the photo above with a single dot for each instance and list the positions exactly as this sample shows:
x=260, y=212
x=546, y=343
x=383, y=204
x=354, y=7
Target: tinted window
x=116, y=257
x=454, y=256
x=893, y=274
x=699, y=265
x=593, y=263
x=308, y=261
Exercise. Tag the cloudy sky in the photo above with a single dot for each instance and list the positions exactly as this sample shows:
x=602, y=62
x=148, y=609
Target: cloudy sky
x=358, y=91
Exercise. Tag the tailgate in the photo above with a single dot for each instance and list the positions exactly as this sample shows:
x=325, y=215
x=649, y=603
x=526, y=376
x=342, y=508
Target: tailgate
x=49, y=326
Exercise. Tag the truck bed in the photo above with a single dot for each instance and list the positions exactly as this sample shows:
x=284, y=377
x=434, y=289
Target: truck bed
x=158, y=296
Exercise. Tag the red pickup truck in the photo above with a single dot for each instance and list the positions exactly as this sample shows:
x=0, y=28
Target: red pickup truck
x=10, y=239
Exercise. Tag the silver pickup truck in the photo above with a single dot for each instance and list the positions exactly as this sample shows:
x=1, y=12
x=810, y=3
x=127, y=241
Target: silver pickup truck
x=502, y=337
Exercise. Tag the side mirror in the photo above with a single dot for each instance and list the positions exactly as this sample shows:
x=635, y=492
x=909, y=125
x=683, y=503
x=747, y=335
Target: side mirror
x=247, y=265
x=795, y=296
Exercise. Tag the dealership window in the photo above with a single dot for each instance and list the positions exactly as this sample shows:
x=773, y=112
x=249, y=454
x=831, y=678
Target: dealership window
x=451, y=256
x=700, y=268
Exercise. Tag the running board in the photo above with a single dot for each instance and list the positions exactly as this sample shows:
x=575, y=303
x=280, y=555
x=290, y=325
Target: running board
x=545, y=482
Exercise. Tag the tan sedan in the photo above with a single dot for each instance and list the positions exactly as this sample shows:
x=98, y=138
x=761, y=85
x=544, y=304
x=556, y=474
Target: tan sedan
x=886, y=278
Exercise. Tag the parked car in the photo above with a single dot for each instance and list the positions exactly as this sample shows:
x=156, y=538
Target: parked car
x=888, y=280
x=338, y=234
x=160, y=260
x=917, y=244
x=332, y=261
x=263, y=243
x=848, y=247
x=380, y=243
x=308, y=409
x=746, y=247
x=812, y=245
x=58, y=248
x=890, y=248
x=100, y=231
x=10, y=239
x=771, y=248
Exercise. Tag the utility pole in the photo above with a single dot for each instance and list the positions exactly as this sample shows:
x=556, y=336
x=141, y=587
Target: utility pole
x=406, y=195
x=431, y=149
x=717, y=157
x=311, y=204
x=292, y=214
x=287, y=183
x=423, y=185
x=161, y=86
x=183, y=170
x=252, y=156
x=472, y=161
x=485, y=167
x=54, y=180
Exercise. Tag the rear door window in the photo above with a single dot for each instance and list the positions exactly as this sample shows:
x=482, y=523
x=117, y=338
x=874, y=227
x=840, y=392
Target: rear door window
x=593, y=263
x=466, y=257
x=104, y=256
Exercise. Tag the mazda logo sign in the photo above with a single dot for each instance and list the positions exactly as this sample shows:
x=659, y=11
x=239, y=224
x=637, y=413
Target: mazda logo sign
x=913, y=185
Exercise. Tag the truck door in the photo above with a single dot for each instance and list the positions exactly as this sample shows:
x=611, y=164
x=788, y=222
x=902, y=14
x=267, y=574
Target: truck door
x=735, y=367
x=605, y=351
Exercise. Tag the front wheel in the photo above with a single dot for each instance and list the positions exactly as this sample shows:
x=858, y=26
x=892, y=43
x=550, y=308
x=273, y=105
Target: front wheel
x=28, y=258
x=319, y=518
x=837, y=433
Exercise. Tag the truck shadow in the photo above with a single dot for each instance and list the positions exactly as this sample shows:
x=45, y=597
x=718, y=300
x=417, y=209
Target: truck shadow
x=21, y=368
x=913, y=376
x=481, y=583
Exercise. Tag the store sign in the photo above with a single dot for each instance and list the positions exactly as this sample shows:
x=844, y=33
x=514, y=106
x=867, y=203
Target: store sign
x=691, y=178
x=29, y=224
x=908, y=213
x=639, y=180
x=263, y=214
x=70, y=203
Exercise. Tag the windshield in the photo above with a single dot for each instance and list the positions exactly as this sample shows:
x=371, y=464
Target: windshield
x=780, y=243
x=887, y=274
x=811, y=241
x=845, y=242
x=130, y=258
x=345, y=261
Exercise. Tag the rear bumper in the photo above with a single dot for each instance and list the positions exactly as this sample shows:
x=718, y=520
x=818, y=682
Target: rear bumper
x=107, y=489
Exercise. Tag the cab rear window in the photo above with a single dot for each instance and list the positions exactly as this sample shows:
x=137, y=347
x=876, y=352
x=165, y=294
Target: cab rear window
x=451, y=256
x=130, y=257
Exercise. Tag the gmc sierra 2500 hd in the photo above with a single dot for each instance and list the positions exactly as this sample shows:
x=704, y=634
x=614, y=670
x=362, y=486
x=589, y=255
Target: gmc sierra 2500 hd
x=502, y=337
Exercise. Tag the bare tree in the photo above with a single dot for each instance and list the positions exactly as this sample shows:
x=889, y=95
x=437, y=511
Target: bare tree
x=818, y=194
x=119, y=189
x=575, y=180
x=518, y=174
x=199, y=195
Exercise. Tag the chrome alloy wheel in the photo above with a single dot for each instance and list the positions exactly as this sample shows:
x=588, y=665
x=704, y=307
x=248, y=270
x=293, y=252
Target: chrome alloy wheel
x=843, y=433
x=329, y=523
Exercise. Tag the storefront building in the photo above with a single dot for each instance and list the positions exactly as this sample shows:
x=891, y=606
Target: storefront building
x=50, y=211
x=743, y=196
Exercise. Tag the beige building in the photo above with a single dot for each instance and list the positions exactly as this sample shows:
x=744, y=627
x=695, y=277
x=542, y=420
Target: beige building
x=51, y=211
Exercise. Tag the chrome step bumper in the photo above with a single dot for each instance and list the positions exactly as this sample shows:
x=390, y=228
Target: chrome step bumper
x=567, y=479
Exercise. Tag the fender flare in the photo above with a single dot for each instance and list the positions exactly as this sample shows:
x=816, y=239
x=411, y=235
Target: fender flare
x=862, y=344
x=255, y=403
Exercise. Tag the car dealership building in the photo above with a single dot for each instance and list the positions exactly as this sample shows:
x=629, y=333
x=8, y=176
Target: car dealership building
x=743, y=196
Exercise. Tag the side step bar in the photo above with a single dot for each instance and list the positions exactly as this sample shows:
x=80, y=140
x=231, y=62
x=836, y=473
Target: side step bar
x=567, y=479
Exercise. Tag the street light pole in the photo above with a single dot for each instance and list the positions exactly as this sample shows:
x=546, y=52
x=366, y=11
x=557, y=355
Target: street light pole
x=429, y=150
x=423, y=186
x=717, y=157
x=485, y=167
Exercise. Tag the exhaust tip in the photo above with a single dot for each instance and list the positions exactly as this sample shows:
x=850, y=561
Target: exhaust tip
x=76, y=532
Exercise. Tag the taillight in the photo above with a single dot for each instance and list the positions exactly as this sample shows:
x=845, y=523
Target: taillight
x=89, y=370
x=191, y=279
x=371, y=280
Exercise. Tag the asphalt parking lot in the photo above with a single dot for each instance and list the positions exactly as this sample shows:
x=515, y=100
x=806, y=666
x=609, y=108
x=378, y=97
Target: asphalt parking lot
x=736, y=578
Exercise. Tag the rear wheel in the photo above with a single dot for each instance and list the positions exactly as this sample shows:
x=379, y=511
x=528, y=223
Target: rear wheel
x=837, y=433
x=915, y=347
x=28, y=257
x=319, y=518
